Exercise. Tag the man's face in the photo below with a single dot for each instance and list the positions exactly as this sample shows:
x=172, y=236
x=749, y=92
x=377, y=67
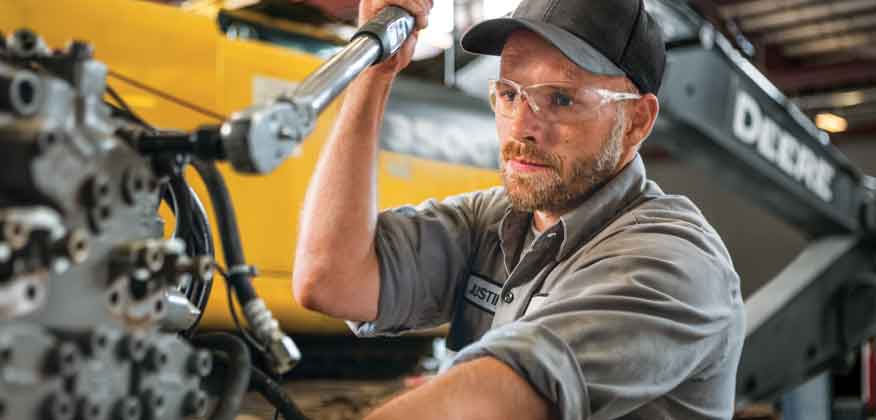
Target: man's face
x=552, y=166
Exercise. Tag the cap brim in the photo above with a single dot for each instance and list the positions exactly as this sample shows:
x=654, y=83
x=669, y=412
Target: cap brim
x=488, y=38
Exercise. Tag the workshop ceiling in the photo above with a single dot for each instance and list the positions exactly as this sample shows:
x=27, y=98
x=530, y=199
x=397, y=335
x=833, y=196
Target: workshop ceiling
x=821, y=53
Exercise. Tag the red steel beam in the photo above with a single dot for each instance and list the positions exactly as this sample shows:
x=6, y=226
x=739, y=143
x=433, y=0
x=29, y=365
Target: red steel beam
x=794, y=79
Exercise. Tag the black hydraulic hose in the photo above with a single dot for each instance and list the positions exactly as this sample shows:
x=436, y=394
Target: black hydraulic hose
x=271, y=391
x=193, y=227
x=237, y=376
x=201, y=227
x=226, y=222
x=190, y=219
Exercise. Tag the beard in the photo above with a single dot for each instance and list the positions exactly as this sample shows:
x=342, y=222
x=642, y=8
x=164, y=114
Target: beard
x=557, y=189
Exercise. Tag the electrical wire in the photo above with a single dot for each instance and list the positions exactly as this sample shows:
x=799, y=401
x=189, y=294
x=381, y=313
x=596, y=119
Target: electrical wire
x=274, y=394
x=127, y=111
x=166, y=96
x=203, y=226
x=244, y=332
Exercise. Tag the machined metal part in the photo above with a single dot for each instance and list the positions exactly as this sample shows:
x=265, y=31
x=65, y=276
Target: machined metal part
x=260, y=138
x=24, y=43
x=20, y=91
x=180, y=313
x=283, y=352
x=24, y=294
x=167, y=376
x=101, y=374
x=84, y=274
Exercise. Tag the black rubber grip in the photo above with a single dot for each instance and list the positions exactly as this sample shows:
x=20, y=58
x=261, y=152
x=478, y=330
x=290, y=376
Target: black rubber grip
x=391, y=27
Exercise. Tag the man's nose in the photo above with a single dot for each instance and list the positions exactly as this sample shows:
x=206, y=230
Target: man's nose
x=526, y=123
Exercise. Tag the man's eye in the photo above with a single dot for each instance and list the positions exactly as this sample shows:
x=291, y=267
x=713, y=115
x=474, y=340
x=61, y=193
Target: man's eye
x=561, y=99
x=508, y=95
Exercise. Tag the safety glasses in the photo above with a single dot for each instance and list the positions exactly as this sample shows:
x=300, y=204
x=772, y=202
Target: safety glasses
x=553, y=102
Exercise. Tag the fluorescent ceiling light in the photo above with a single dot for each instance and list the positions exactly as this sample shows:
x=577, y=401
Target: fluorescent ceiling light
x=438, y=36
x=441, y=18
x=831, y=123
x=498, y=8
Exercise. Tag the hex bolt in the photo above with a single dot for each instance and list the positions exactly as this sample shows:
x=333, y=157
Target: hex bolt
x=132, y=185
x=59, y=406
x=96, y=191
x=143, y=255
x=98, y=216
x=74, y=246
x=32, y=292
x=91, y=410
x=26, y=43
x=195, y=404
x=128, y=408
x=202, y=267
x=151, y=256
x=156, y=358
x=153, y=404
x=64, y=360
x=114, y=299
x=200, y=363
x=16, y=234
x=80, y=50
x=100, y=341
x=133, y=347
x=46, y=139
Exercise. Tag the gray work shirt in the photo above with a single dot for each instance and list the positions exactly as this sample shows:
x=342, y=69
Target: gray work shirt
x=629, y=307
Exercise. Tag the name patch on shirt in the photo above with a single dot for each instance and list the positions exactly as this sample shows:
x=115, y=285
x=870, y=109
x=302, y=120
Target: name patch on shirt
x=482, y=293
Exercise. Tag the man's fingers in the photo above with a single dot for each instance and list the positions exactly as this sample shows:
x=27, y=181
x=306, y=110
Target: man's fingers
x=428, y=7
x=422, y=14
x=418, y=8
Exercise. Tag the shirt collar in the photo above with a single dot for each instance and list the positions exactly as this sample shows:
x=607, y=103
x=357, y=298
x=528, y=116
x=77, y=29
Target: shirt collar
x=582, y=223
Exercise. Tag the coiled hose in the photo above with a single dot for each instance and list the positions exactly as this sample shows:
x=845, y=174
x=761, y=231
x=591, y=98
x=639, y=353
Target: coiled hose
x=237, y=373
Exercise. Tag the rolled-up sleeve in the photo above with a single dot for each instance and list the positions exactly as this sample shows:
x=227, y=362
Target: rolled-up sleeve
x=648, y=311
x=424, y=252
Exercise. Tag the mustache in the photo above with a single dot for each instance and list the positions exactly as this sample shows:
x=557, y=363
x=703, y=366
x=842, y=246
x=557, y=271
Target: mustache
x=528, y=152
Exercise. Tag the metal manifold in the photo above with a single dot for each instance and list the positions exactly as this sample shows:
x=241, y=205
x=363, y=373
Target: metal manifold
x=98, y=309
x=92, y=299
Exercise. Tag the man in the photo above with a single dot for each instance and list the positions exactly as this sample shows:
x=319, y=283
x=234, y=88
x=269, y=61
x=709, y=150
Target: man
x=579, y=290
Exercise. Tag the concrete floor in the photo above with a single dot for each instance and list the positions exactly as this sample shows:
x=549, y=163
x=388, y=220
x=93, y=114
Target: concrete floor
x=327, y=399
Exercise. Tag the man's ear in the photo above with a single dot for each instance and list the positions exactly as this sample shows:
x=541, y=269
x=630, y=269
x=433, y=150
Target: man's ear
x=641, y=115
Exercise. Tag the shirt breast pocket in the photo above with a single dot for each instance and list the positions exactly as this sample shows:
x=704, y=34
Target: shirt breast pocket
x=535, y=303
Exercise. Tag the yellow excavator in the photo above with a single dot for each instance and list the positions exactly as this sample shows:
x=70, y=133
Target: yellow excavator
x=181, y=67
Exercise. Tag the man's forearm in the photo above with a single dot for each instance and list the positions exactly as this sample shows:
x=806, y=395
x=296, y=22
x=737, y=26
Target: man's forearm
x=335, y=259
x=483, y=389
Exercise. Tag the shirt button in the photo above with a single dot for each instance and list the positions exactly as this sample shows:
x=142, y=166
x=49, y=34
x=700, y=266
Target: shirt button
x=509, y=297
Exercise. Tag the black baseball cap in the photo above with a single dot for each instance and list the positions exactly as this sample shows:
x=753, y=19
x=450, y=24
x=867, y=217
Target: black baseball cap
x=606, y=37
